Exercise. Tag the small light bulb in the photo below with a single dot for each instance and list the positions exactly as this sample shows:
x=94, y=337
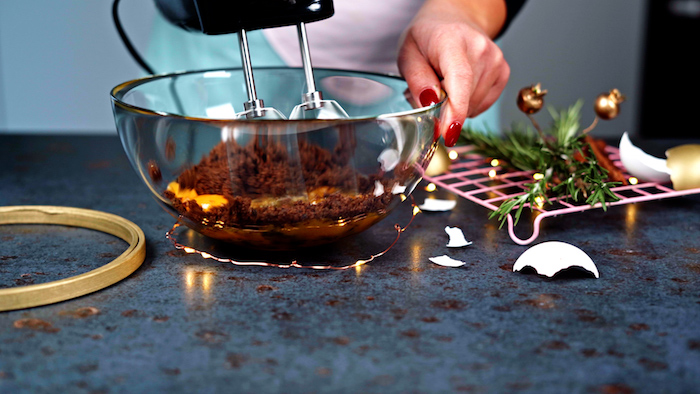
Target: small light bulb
x=537, y=176
x=453, y=155
x=431, y=187
x=495, y=163
x=416, y=211
x=633, y=180
x=539, y=200
x=492, y=173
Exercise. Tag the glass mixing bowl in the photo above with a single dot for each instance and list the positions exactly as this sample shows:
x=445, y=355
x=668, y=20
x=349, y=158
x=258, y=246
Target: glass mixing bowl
x=275, y=184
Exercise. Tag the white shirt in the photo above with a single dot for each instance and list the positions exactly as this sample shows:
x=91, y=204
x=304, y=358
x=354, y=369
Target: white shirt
x=362, y=35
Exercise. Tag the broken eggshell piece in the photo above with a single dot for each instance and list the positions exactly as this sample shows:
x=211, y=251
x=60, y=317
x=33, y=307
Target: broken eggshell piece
x=551, y=257
x=641, y=164
x=437, y=205
x=446, y=261
x=682, y=166
x=457, y=239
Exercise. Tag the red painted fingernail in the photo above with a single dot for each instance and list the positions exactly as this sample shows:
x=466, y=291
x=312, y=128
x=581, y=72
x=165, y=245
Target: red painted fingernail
x=453, y=133
x=428, y=97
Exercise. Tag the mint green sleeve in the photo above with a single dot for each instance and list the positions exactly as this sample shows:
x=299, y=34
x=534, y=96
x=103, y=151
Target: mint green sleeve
x=173, y=49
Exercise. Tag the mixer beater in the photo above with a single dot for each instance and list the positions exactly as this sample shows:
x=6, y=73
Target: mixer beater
x=254, y=107
x=313, y=106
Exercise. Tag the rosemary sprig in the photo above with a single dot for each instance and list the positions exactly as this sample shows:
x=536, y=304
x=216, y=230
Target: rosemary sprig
x=557, y=153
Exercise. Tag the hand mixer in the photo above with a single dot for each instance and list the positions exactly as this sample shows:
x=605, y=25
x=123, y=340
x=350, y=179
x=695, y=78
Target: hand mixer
x=239, y=16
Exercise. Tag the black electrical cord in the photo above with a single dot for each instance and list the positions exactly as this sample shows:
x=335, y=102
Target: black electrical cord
x=137, y=57
x=127, y=43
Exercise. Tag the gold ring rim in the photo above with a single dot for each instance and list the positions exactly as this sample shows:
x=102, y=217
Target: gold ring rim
x=65, y=289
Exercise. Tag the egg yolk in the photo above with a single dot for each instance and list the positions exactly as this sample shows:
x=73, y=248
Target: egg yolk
x=206, y=201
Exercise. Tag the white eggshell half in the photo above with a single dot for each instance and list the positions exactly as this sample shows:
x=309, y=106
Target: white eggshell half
x=457, y=239
x=641, y=164
x=437, y=205
x=446, y=261
x=548, y=258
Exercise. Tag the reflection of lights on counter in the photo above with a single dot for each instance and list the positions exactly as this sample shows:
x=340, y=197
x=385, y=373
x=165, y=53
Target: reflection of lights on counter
x=495, y=163
x=199, y=280
x=492, y=174
x=431, y=187
x=633, y=180
x=206, y=282
x=416, y=261
x=631, y=217
x=490, y=235
x=537, y=176
x=453, y=155
x=416, y=254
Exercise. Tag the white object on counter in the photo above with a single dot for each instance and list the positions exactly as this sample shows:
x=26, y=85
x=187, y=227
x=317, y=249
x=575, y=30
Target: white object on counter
x=641, y=164
x=446, y=261
x=437, y=205
x=457, y=239
x=549, y=258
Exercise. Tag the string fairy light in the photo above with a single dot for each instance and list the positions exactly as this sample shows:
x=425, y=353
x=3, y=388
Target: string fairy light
x=293, y=263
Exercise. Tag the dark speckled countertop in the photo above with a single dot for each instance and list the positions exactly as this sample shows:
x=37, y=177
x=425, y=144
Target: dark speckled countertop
x=181, y=323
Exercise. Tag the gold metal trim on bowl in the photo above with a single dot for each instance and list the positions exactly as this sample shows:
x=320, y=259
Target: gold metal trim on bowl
x=88, y=282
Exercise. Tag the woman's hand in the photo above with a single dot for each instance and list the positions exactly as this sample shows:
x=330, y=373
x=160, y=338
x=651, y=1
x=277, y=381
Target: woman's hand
x=449, y=45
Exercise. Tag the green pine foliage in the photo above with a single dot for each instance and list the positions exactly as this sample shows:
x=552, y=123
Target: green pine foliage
x=552, y=153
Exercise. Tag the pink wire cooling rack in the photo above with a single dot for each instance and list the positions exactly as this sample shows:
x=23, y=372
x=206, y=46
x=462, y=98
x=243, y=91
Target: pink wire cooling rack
x=477, y=180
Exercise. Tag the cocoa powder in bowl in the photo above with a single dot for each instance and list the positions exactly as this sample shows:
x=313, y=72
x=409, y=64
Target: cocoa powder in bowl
x=277, y=198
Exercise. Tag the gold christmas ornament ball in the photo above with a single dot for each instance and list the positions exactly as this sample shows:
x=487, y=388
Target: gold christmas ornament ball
x=531, y=99
x=684, y=163
x=607, y=105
